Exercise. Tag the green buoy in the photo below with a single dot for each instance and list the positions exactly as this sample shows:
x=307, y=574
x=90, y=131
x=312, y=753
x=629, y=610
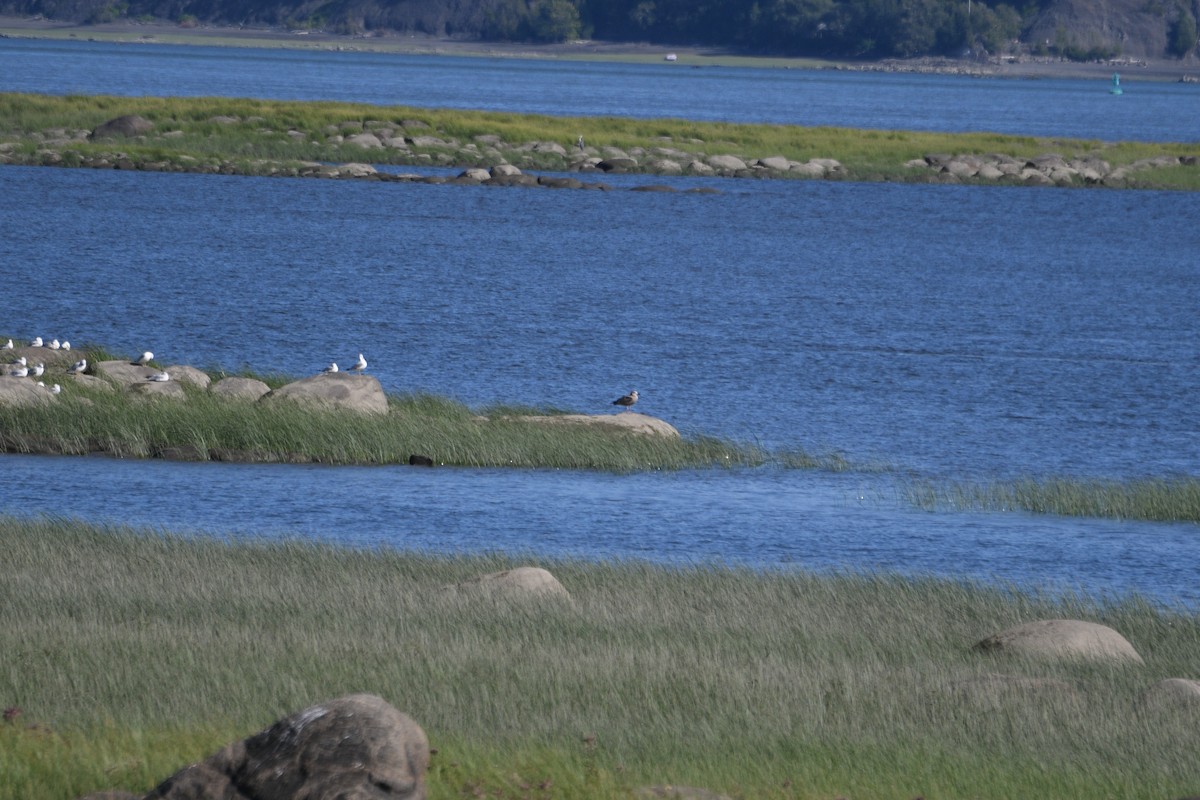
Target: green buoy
x=1116, y=87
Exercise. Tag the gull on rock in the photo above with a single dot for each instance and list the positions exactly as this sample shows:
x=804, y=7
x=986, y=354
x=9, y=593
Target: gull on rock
x=331, y=368
x=626, y=400
x=54, y=345
x=160, y=377
x=359, y=365
x=20, y=372
x=66, y=345
x=21, y=362
x=38, y=369
x=37, y=342
x=144, y=359
x=78, y=366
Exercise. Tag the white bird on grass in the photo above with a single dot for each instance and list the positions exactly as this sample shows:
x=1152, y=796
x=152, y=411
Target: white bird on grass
x=55, y=389
x=38, y=369
x=160, y=377
x=626, y=400
x=19, y=372
x=333, y=367
x=37, y=342
x=78, y=366
x=54, y=345
x=21, y=362
x=144, y=359
x=66, y=345
x=359, y=365
x=8, y=345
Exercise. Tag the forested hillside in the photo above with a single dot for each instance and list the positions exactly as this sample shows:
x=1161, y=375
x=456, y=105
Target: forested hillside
x=1079, y=29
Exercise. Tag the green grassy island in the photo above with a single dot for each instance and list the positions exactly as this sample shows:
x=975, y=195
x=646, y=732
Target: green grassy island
x=129, y=654
x=311, y=139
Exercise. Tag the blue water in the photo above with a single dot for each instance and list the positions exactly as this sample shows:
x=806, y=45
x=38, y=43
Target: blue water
x=1147, y=111
x=941, y=332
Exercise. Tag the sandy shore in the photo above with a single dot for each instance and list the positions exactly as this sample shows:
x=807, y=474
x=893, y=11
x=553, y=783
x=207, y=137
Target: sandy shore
x=232, y=36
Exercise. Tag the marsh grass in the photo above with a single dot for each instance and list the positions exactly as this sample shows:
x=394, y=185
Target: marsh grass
x=134, y=653
x=260, y=135
x=1154, y=499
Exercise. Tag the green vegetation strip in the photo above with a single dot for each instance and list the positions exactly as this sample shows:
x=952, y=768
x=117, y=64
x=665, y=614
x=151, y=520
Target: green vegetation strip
x=130, y=654
x=1154, y=499
x=269, y=136
x=206, y=426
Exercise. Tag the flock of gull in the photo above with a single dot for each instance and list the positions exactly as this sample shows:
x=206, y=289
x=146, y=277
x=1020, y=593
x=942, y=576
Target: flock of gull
x=20, y=368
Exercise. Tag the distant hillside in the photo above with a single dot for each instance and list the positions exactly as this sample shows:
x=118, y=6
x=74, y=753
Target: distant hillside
x=864, y=29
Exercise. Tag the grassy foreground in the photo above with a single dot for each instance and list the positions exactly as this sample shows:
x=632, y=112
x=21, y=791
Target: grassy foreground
x=265, y=136
x=131, y=654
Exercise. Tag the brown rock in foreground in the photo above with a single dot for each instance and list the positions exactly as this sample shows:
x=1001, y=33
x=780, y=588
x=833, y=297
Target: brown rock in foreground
x=356, y=747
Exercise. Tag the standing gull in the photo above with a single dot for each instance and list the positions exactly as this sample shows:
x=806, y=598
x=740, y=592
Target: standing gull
x=359, y=365
x=626, y=400
x=8, y=345
x=144, y=359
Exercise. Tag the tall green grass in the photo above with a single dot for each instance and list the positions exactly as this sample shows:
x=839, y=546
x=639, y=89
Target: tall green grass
x=133, y=653
x=1155, y=499
x=260, y=134
x=204, y=426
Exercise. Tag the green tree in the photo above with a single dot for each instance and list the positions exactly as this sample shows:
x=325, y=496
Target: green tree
x=554, y=21
x=1182, y=37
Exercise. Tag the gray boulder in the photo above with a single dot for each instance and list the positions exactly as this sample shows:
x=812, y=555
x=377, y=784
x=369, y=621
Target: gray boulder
x=365, y=140
x=533, y=582
x=1173, y=693
x=123, y=373
x=1064, y=639
x=22, y=392
x=186, y=374
x=167, y=389
x=724, y=163
x=341, y=390
x=630, y=421
x=356, y=748
x=778, y=163
x=127, y=126
x=235, y=388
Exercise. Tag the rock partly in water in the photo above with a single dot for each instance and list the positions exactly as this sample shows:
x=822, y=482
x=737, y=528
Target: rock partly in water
x=357, y=746
x=340, y=390
x=1063, y=638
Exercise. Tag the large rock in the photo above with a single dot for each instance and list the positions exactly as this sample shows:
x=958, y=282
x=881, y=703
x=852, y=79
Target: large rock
x=355, y=748
x=341, y=390
x=22, y=392
x=626, y=420
x=124, y=373
x=126, y=126
x=1063, y=638
x=234, y=388
x=186, y=374
x=1173, y=693
x=520, y=582
x=726, y=163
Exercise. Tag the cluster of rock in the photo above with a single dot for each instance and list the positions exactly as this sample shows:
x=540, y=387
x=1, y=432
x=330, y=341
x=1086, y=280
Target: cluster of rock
x=1044, y=170
x=490, y=159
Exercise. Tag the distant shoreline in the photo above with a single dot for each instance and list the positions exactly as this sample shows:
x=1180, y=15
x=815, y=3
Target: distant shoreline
x=685, y=56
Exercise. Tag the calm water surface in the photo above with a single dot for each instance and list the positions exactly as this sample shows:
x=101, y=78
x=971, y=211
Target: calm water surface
x=1148, y=110
x=946, y=332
